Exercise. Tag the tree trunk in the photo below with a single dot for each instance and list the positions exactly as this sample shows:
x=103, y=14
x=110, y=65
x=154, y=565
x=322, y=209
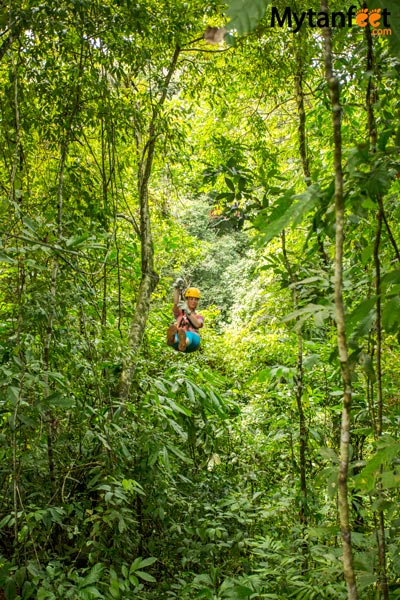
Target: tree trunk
x=303, y=433
x=371, y=98
x=301, y=128
x=380, y=534
x=149, y=278
x=50, y=430
x=333, y=83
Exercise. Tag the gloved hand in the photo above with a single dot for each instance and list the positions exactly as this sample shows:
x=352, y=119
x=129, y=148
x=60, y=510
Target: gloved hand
x=178, y=283
x=183, y=306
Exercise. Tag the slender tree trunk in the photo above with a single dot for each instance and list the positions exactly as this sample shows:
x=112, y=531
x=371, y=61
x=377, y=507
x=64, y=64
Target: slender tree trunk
x=301, y=130
x=371, y=98
x=378, y=352
x=50, y=430
x=50, y=434
x=390, y=233
x=333, y=84
x=303, y=433
x=299, y=95
x=149, y=277
x=380, y=534
x=15, y=28
x=17, y=153
x=19, y=292
x=303, y=512
x=46, y=368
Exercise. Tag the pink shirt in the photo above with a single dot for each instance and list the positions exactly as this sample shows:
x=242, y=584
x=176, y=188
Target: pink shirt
x=183, y=321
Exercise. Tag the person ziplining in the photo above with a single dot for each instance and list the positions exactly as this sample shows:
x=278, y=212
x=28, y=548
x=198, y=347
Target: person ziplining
x=184, y=334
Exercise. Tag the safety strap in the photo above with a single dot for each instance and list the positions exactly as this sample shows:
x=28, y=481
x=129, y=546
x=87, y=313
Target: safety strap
x=184, y=320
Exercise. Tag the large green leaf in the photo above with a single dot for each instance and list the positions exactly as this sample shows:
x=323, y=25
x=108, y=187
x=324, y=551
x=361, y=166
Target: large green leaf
x=93, y=576
x=392, y=7
x=245, y=15
x=7, y=259
x=367, y=366
x=146, y=562
x=362, y=318
x=391, y=315
x=388, y=449
x=145, y=576
x=290, y=209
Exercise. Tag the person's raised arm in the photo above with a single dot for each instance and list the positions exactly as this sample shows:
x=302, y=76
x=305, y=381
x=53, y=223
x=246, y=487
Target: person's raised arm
x=176, y=297
x=178, y=285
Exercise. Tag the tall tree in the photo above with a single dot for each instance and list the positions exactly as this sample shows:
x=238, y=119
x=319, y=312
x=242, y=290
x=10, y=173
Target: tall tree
x=149, y=277
x=333, y=84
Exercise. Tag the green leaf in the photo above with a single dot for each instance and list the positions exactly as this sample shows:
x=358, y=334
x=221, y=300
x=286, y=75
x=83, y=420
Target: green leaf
x=145, y=576
x=166, y=459
x=218, y=405
x=198, y=389
x=146, y=562
x=391, y=277
x=93, y=576
x=160, y=385
x=10, y=589
x=317, y=311
x=178, y=407
x=190, y=392
x=329, y=454
x=134, y=580
x=179, y=454
x=13, y=395
x=61, y=401
x=7, y=259
x=367, y=366
x=76, y=240
x=28, y=421
x=245, y=15
x=289, y=210
x=179, y=430
x=391, y=315
x=390, y=479
x=387, y=450
x=90, y=592
x=45, y=595
x=30, y=224
x=392, y=7
x=361, y=318
x=114, y=588
x=28, y=589
x=135, y=565
x=230, y=184
x=261, y=376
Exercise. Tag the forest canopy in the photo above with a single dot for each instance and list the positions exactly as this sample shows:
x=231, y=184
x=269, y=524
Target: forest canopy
x=252, y=150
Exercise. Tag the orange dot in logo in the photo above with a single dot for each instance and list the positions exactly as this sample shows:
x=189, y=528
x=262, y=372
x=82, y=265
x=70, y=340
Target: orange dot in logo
x=375, y=17
x=362, y=17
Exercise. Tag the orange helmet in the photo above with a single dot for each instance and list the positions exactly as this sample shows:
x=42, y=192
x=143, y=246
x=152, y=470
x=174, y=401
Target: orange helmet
x=192, y=293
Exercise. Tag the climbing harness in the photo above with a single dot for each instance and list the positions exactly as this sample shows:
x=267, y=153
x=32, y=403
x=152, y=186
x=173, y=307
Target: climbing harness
x=184, y=321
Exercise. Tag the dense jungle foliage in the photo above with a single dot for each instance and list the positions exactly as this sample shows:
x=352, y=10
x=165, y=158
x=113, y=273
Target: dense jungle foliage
x=135, y=150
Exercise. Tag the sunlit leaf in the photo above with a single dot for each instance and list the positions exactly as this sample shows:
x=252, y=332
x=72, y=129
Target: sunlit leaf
x=245, y=15
x=392, y=6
